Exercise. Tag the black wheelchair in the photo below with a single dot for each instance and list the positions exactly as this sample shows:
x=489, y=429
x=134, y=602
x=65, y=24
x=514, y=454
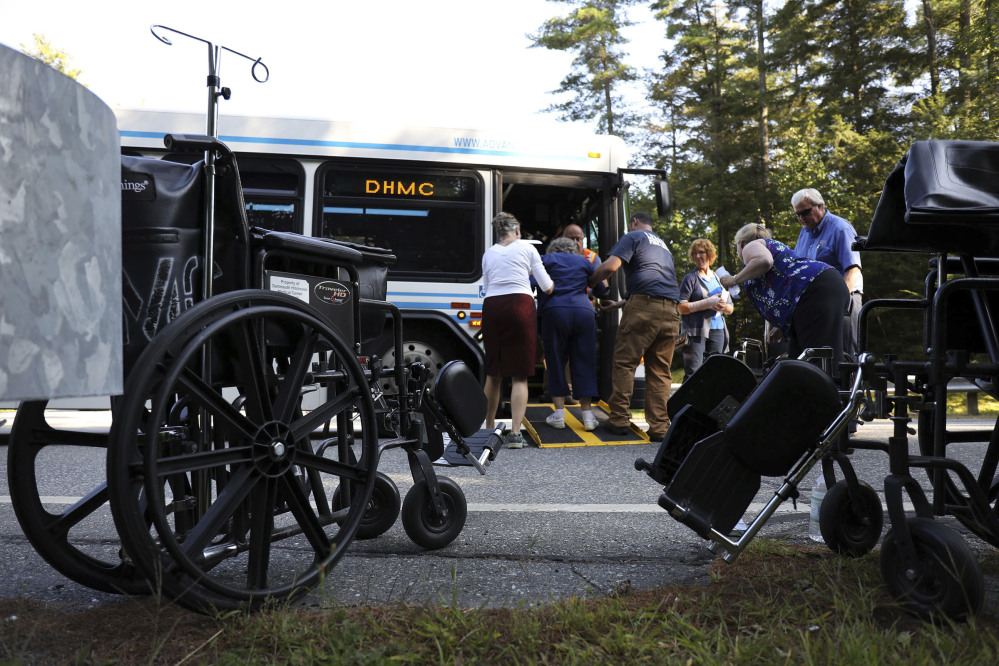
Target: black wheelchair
x=242, y=457
x=731, y=424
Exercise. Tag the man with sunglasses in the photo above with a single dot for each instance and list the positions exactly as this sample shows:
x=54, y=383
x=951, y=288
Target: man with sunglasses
x=829, y=238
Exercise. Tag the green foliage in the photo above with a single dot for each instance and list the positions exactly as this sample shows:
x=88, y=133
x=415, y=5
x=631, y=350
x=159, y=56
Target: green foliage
x=43, y=51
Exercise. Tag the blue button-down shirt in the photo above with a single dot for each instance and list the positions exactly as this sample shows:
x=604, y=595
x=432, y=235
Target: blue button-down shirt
x=831, y=243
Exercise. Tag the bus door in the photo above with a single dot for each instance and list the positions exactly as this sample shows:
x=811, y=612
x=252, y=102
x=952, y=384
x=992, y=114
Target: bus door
x=545, y=204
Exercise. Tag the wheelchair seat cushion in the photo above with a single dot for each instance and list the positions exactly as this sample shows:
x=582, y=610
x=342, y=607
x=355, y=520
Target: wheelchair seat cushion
x=783, y=418
x=460, y=395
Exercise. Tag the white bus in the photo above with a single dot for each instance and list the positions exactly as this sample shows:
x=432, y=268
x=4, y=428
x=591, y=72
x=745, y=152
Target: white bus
x=428, y=194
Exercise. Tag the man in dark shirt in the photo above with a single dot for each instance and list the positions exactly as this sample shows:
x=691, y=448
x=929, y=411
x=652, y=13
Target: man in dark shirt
x=649, y=325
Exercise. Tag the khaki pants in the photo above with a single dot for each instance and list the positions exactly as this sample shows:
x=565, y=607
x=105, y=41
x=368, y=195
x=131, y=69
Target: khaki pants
x=649, y=327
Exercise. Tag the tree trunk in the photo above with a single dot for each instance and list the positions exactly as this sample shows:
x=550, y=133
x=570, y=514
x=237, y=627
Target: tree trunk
x=931, y=47
x=964, y=61
x=764, y=111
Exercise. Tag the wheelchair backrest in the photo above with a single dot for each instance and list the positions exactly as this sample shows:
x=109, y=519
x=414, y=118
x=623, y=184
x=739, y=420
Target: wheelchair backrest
x=163, y=259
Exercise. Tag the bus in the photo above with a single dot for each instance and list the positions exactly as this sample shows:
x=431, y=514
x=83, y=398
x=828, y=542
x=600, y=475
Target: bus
x=428, y=194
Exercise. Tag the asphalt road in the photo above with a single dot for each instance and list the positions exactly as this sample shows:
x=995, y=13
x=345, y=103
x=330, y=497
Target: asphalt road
x=543, y=524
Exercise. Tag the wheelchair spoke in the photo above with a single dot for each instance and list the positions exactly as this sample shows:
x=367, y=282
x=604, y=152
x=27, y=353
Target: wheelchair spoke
x=306, y=517
x=222, y=509
x=215, y=404
x=247, y=347
x=299, y=365
x=315, y=419
x=343, y=470
x=191, y=462
x=80, y=511
x=262, y=505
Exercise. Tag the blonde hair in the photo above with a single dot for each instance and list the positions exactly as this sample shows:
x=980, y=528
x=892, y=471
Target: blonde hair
x=707, y=246
x=751, y=232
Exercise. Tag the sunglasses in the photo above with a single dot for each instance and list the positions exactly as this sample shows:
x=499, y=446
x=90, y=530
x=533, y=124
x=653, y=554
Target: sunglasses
x=803, y=213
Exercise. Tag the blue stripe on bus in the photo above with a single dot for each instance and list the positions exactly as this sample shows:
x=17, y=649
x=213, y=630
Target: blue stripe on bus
x=452, y=296
x=411, y=305
x=367, y=146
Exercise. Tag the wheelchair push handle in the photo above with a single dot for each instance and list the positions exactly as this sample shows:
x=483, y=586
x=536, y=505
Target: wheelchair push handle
x=192, y=143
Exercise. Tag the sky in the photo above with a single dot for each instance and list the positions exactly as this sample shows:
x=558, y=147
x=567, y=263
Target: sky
x=450, y=63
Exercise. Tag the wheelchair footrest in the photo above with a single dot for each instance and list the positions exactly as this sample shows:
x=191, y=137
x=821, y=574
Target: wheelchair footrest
x=482, y=446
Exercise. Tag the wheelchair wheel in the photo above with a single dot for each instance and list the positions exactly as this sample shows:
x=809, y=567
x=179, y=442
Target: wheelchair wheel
x=420, y=520
x=221, y=462
x=946, y=579
x=381, y=511
x=924, y=434
x=851, y=526
x=77, y=539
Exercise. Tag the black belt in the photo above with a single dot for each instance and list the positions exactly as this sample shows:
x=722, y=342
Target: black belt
x=652, y=298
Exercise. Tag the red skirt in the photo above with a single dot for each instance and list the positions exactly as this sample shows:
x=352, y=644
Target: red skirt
x=509, y=333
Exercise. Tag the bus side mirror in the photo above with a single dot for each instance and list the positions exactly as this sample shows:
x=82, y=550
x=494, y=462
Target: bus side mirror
x=664, y=206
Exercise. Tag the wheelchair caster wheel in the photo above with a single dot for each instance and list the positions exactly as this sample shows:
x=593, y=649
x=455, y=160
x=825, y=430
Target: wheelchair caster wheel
x=420, y=520
x=945, y=580
x=381, y=511
x=851, y=526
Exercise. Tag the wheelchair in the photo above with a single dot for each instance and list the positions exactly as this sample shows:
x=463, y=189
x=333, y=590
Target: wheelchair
x=732, y=424
x=242, y=456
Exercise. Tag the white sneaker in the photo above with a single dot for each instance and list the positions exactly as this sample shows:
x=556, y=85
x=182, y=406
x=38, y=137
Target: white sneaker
x=555, y=421
x=590, y=424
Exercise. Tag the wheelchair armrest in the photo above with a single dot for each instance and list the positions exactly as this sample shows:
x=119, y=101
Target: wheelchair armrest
x=305, y=247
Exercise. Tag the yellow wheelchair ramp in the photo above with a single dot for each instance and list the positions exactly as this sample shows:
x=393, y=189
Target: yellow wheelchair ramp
x=545, y=436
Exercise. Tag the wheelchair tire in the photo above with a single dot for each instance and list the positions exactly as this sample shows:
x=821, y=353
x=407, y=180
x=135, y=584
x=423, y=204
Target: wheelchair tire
x=382, y=509
x=420, y=520
x=851, y=526
x=78, y=540
x=946, y=581
x=202, y=494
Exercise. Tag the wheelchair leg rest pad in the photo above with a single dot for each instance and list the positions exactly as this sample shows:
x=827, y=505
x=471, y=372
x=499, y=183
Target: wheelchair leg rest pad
x=483, y=445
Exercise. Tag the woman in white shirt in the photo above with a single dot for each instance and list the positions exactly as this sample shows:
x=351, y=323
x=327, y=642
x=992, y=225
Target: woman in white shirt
x=509, y=320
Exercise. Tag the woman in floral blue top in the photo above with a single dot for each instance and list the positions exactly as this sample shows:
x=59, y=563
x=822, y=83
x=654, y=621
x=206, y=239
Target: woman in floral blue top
x=804, y=300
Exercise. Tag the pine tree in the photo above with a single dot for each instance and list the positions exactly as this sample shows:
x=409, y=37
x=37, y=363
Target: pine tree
x=592, y=30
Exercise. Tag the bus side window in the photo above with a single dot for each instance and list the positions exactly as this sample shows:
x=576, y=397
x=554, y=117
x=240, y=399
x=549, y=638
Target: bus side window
x=273, y=191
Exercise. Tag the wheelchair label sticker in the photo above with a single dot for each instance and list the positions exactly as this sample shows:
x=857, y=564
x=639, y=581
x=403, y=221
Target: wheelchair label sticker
x=291, y=286
x=335, y=293
x=137, y=186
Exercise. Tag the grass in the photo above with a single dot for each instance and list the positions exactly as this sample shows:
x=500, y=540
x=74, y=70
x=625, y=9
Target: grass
x=778, y=603
x=957, y=404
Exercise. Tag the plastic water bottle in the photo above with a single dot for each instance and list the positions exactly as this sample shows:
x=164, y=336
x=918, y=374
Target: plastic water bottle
x=818, y=492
